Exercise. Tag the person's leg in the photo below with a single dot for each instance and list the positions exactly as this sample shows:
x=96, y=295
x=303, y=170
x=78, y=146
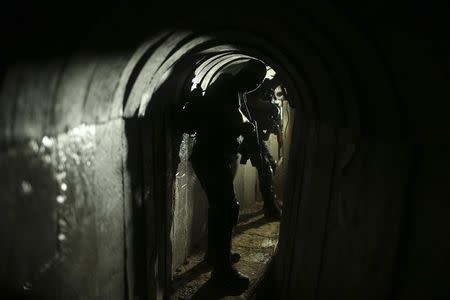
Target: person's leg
x=216, y=179
x=225, y=212
x=266, y=153
x=234, y=166
x=211, y=177
x=265, y=175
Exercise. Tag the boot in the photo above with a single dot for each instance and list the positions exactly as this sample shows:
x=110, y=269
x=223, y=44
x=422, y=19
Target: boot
x=265, y=173
x=209, y=257
x=271, y=208
x=230, y=278
x=224, y=274
x=211, y=250
x=272, y=211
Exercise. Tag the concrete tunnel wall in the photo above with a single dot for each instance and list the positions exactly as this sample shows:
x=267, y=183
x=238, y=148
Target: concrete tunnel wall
x=366, y=207
x=66, y=236
x=99, y=198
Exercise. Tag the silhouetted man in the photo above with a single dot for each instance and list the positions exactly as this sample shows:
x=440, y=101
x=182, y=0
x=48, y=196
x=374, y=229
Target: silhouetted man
x=218, y=123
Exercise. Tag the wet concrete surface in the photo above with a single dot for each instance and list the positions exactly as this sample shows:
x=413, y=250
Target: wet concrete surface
x=255, y=238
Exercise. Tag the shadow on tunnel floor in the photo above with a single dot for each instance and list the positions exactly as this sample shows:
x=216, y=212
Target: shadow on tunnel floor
x=255, y=238
x=211, y=290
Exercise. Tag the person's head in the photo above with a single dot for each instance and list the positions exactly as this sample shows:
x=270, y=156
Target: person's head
x=250, y=76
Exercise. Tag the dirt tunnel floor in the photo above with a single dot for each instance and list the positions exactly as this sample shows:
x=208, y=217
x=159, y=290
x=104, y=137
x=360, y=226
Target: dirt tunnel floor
x=255, y=238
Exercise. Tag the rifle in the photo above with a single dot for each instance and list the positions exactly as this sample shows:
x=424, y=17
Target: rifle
x=251, y=145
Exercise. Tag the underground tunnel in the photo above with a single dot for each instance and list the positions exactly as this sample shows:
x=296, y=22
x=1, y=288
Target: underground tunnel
x=97, y=196
x=255, y=236
x=185, y=209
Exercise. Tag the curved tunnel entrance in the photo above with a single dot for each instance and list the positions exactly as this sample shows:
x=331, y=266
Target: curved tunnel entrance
x=90, y=156
x=255, y=236
x=184, y=220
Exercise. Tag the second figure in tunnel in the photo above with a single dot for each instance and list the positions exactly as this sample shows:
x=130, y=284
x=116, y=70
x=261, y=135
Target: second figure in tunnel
x=260, y=108
x=220, y=120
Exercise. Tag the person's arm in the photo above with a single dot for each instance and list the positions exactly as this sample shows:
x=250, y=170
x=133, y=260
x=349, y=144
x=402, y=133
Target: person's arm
x=258, y=104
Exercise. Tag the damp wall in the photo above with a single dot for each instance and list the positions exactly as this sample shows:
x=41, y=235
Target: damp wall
x=62, y=214
x=66, y=195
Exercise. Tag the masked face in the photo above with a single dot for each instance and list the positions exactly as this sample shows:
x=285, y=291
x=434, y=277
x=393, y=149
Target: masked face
x=280, y=94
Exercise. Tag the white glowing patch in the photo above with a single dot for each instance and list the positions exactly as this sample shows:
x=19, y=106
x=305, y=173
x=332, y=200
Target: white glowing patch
x=195, y=80
x=61, y=176
x=61, y=237
x=47, y=142
x=269, y=243
x=82, y=130
x=144, y=97
x=63, y=187
x=27, y=188
x=27, y=286
x=60, y=199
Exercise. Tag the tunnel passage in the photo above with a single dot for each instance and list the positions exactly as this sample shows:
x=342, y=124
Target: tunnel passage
x=107, y=167
x=365, y=212
x=185, y=203
x=256, y=237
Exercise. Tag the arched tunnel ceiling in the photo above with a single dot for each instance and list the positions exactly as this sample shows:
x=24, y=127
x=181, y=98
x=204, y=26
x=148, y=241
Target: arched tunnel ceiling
x=156, y=66
x=343, y=75
x=222, y=64
x=207, y=64
x=206, y=55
